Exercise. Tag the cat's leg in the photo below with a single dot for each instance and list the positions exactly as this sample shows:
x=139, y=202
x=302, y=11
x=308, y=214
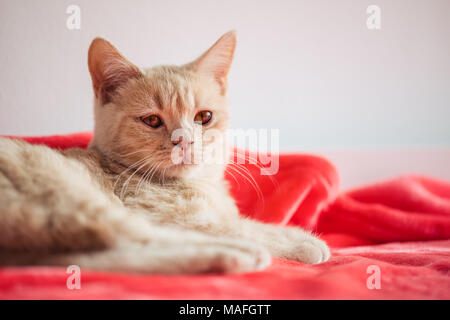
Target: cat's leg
x=290, y=242
x=165, y=251
x=107, y=237
x=53, y=212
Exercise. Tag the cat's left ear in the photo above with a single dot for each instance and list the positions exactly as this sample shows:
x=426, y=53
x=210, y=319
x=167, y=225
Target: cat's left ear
x=216, y=61
x=109, y=69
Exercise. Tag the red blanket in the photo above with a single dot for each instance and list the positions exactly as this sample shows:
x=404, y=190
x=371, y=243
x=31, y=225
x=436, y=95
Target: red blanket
x=389, y=240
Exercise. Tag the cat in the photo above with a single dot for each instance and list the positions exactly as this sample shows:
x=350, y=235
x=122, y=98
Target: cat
x=122, y=204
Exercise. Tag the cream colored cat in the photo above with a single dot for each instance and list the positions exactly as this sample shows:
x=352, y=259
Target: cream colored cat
x=122, y=204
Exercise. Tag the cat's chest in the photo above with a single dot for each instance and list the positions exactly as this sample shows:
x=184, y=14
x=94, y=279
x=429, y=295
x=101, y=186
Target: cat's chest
x=180, y=201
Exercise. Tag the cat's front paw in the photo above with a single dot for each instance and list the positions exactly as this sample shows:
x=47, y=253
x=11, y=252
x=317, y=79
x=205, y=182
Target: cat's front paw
x=233, y=256
x=310, y=251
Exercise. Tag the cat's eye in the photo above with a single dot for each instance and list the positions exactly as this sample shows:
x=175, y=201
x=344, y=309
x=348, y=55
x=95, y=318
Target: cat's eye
x=203, y=117
x=152, y=121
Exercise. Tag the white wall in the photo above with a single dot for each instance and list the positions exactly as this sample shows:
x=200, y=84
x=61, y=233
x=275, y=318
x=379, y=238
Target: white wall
x=310, y=68
x=364, y=166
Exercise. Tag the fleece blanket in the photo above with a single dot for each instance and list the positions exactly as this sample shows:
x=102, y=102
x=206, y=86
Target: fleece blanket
x=389, y=240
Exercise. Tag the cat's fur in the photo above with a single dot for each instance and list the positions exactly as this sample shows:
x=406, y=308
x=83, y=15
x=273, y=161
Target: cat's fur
x=101, y=208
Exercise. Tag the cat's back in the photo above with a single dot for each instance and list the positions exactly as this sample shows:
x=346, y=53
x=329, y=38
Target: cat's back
x=38, y=172
x=25, y=167
x=18, y=157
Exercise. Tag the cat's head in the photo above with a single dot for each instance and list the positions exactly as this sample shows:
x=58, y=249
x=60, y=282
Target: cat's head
x=153, y=119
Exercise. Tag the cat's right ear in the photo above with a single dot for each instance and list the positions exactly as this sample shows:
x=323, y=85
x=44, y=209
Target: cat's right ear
x=109, y=69
x=216, y=61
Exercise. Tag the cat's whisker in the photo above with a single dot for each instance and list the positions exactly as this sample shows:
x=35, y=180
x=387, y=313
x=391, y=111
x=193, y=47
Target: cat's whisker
x=258, y=164
x=132, y=166
x=248, y=173
x=127, y=182
x=143, y=178
x=134, y=152
x=164, y=172
x=255, y=187
x=252, y=183
x=148, y=173
x=146, y=177
x=154, y=171
x=232, y=175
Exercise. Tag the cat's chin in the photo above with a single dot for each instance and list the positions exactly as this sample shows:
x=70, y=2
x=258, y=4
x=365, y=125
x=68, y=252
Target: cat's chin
x=186, y=171
x=182, y=170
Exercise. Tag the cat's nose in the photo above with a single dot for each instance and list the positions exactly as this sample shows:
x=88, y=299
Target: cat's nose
x=183, y=141
x=175, y=142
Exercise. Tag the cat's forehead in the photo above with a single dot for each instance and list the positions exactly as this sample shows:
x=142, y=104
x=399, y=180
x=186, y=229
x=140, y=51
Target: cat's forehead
x=173, y=89
x=169, y=90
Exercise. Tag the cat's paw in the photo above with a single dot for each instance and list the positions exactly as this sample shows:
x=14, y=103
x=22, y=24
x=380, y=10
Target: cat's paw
x=234, y=256
x=311, y=251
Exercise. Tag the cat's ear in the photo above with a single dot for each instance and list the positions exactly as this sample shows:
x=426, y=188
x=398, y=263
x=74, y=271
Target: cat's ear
x=109, y=69
x=216, y=61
